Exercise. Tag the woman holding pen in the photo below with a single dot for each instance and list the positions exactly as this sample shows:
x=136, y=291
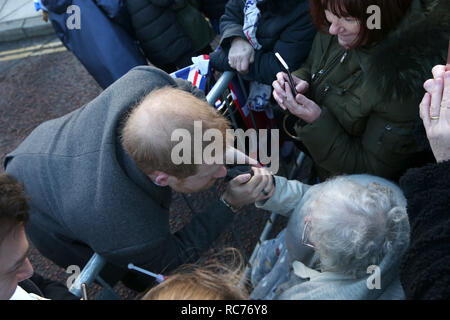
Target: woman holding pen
x=358, y=91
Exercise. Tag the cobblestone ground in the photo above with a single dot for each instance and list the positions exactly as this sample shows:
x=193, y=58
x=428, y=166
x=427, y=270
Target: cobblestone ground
x=43, y=86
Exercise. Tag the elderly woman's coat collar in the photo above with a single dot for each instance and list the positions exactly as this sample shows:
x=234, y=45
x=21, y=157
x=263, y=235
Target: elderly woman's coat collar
x=304, y=272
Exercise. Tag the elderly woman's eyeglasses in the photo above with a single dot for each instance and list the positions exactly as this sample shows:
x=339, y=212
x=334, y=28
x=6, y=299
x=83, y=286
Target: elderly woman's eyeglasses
x=306, y=233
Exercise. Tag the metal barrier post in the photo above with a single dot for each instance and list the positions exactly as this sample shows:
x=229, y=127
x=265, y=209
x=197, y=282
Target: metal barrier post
x=219, y=87
x=89, y=274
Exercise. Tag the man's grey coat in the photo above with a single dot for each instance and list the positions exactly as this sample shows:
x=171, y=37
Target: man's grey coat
x=86, y=192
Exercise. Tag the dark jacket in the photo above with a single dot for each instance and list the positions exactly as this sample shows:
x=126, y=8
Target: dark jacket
x=289, y=32
x=161, y=37
x=86, y=190
x=164, y=30
x=213, y=9
x=104, y=43
x=194, y=25
x=425, y=269
x=46, y=288
x=370, y=97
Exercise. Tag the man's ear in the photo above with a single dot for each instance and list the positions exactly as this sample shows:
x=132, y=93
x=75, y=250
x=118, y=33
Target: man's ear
x=159, y=178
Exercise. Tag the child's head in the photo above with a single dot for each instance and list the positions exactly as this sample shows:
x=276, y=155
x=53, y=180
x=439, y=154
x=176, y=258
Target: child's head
x=212, y=280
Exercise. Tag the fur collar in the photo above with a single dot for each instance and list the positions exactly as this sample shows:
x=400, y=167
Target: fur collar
x=403, y=61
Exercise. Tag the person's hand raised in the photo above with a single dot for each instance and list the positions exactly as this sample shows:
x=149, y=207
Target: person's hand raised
x=241, y=55
x=435, y=113
x=438, y=72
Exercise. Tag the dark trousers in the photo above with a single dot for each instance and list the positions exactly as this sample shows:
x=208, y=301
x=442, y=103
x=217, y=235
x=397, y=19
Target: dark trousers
x=66, y=252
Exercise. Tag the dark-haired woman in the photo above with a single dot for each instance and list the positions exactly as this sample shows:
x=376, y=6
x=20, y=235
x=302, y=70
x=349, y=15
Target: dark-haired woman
x=356, y=107
x=252, y=31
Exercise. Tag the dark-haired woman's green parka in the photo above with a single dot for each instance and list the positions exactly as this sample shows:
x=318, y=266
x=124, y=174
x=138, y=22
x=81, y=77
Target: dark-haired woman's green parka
x=370, y=96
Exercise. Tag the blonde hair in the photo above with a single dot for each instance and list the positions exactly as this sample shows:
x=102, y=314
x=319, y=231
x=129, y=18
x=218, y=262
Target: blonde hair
x=147, y=131
x=212, y=280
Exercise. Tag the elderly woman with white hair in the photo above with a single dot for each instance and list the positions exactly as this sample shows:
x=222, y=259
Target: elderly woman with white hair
x=344, y=240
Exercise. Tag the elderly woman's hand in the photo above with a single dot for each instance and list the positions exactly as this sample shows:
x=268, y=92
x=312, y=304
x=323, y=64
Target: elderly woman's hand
x=241, y=55
x=299, y=105
x=245, y=189
x=435, y=113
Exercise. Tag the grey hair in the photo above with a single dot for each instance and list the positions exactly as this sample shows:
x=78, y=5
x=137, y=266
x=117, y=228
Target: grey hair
x=355, y=226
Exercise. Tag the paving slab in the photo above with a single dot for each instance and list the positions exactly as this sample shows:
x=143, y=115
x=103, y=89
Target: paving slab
x=35, y=26
x=19, y=20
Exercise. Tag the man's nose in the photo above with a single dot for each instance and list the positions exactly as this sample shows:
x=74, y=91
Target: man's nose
x=222, y=172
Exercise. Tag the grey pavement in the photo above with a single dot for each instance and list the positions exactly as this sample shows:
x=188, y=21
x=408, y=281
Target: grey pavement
x=19, y=20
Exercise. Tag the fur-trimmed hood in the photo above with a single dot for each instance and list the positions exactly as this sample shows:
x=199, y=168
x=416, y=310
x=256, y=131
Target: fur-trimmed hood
x=403, y=61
